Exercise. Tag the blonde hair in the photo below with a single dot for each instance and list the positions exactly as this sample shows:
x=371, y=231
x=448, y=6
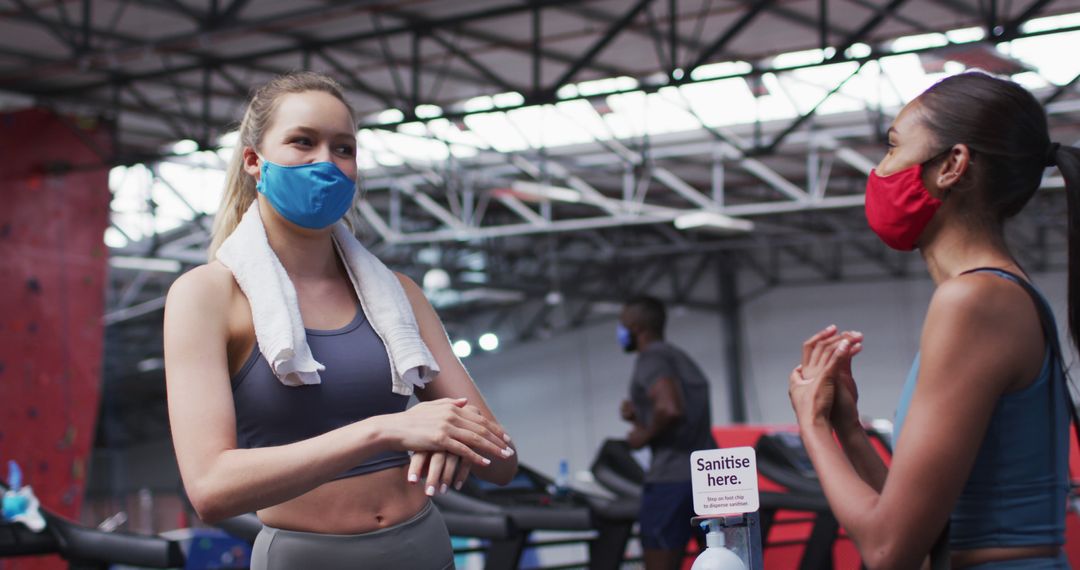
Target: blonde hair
x=239, y=185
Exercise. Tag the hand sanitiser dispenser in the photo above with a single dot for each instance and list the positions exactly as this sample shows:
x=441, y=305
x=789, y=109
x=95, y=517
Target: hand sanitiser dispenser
x=725, y=488
x=727, y=543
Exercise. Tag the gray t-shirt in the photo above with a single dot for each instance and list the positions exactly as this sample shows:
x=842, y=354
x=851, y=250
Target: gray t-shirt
x=671, y=449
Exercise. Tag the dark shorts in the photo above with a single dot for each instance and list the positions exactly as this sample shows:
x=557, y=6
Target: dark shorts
x=666, y=510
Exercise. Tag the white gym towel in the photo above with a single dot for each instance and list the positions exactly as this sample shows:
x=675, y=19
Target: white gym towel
x=279, y=328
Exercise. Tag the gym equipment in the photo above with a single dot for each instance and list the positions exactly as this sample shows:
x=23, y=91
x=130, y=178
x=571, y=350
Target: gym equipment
x=531, y=502
x=89, y=549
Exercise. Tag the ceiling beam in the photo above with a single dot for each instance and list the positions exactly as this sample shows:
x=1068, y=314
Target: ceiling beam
x=612, y=32
x=729, y=34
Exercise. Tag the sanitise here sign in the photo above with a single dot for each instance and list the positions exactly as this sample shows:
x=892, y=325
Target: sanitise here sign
x=725, y=481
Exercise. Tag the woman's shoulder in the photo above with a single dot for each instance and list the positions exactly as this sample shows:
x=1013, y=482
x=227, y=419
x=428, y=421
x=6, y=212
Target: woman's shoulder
x=982, y=298
x=208, y=287
x=985, y=319
x=413, y=292
x=407, y=282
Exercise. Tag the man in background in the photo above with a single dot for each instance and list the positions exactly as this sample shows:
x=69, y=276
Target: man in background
x=670, y=413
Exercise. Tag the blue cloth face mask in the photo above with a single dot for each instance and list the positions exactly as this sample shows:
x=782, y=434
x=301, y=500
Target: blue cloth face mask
x=311, y=196
x=625, y=338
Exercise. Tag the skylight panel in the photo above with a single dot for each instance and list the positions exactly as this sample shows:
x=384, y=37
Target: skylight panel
x=388, y=159
x=225, y=153
x=113, y=237
x=390, y=116
x=128, y=184
x=1030, y=80
x=905, y=74
x=493, y=128
x=721, y=102
x=1051, y=23
x=369, y=140
x=799, y=58
x=529, y=123
x=414, y=147
x=857, y=49
x=629, y=114
x=509, y=99
x=920, y=41
x=584, y=117
x=200, y=187
x=622, y=126
x=477, y=104
x=721, y=69
x=415, y=128
x=184, y=147
x=428, y=111
x=1052, y=56
x=365, y=159
x=546, y=126
x=808, y=86
x=665, y=117
x=463, y=151
x=131, y=186
x=774, y=105
x=872, y=87
x=966, y=35
x=170, y=211
x=229, y=139
x=450, y=132
x=608, y=85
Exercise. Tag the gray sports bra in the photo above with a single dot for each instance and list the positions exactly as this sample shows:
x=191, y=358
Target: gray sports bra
x=355, y=386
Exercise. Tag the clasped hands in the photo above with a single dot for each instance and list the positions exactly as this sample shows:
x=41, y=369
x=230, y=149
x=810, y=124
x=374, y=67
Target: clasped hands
x=447, y=437
x=822, y=388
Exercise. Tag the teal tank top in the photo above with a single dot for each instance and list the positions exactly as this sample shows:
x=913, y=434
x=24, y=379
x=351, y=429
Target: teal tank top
x=1016, y=492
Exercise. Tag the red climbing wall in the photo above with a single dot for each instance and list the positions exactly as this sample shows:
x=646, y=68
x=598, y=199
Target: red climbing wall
x=54, y=204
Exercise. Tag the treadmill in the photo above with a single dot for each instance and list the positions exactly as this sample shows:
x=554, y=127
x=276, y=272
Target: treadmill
x=85, y=548
x=780, y=457
x=617, y=471
x=528, y=504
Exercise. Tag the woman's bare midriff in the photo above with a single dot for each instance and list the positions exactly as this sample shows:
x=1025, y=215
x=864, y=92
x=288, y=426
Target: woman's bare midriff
x=963, y=558
x=353, y=505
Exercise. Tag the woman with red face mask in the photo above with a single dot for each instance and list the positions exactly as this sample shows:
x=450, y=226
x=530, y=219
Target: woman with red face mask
x=982, y=428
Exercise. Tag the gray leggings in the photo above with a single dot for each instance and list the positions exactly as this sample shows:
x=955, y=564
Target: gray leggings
x=421, y=542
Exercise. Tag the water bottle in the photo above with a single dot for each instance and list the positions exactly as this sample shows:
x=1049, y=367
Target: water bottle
x=562, y=480
x=716, y=556
x=14, y=503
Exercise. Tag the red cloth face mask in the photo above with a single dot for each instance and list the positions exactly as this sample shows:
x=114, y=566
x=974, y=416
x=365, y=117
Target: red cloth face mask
x=898, y=207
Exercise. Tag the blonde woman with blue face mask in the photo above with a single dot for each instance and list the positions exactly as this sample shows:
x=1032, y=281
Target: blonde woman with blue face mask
x=340, y=473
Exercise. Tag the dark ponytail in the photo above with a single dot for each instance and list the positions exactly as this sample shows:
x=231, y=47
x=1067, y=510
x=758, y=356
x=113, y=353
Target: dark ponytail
x=1067, y=160
x=1005, y=128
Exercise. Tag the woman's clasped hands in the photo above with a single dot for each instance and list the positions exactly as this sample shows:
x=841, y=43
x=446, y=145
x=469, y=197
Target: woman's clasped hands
x=822, y=388
x=447, y=437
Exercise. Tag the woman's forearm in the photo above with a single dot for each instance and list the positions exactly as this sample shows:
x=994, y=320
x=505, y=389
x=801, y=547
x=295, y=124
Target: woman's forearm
x=863, y=456
x=854, y=501
x=238, y=481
